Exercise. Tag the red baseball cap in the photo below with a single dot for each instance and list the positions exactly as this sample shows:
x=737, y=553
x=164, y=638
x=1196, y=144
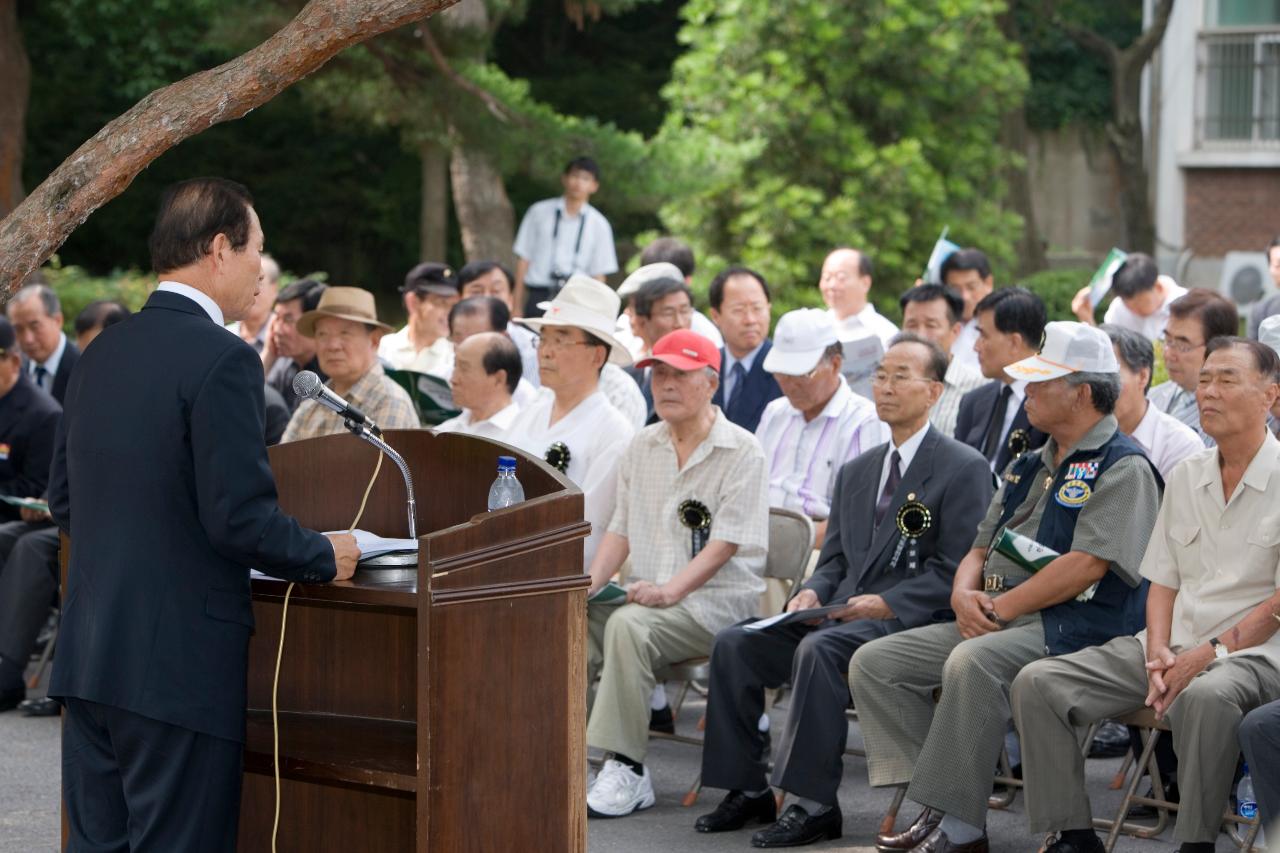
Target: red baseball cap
x=684, y=350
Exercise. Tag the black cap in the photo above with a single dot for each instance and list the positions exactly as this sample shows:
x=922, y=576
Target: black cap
x=7, y=337
x=431, y=277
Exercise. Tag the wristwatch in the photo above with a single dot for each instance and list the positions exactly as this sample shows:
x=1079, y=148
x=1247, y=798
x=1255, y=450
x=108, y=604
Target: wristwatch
x=1219, y=650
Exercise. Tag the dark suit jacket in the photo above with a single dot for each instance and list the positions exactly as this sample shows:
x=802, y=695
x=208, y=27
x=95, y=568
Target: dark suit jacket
x=975, y=413
x=70, y=355
x=160, y=476
x=756, y=392
x=28, y=420
x=646, y=388
x=952, y=480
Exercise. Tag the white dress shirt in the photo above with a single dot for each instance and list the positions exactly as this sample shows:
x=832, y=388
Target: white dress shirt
x=962, y=351
x=1172, y=399
x=497, y=426
x=1222, y=556
x=804, y=457
x=906, y=453
x=1151, y=326
x=596, y=435
x=199, y=297
x=1165, y=439
x=526, y=342
x=625, y=395
x=866, y=322
x=549, y=249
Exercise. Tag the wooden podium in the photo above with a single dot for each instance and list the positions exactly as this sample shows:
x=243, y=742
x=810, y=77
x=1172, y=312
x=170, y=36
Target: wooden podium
x=442, y=712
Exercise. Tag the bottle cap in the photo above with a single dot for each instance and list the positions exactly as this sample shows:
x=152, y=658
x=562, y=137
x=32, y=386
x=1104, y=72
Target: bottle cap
x=506, y=462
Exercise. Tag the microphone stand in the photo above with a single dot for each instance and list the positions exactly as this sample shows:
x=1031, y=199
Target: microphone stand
x=370, y=433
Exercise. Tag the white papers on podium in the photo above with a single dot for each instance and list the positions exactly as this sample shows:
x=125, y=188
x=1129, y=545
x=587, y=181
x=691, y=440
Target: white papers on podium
x=796, y=616
x=372, y=545
x=861, y=358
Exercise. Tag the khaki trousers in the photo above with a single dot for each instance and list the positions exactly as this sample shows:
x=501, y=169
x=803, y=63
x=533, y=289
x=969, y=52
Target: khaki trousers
x=625, y=645
x=948, y=750
x=1056, y=699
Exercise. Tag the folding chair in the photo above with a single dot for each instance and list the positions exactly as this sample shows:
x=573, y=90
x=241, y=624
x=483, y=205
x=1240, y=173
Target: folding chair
x=1152, y=730
x=791, y=537
x=46, y=654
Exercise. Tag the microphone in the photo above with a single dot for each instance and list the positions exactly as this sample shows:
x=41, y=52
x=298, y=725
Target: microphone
x=308, y=386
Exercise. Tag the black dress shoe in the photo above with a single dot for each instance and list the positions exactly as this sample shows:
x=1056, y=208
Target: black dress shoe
x=662, y=721
x=939, y=843
x=1087, y=843
x=1111, y=741
x=736, y=809
x=42, y=707
x=10, y=697
x=920, y=829
x=797, y=827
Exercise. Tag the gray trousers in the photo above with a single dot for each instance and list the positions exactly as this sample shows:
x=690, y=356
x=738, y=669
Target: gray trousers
x=1260, y=740
x=1054, y=699
x=625, y=645
x=947, y=751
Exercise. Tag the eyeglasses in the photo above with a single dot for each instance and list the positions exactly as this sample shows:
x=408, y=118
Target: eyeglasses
x=1179, y=344
x=556, y=344
x=897, y=379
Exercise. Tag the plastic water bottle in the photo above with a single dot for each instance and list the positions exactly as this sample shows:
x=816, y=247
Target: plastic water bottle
x=506, y=490
x=1246, y=803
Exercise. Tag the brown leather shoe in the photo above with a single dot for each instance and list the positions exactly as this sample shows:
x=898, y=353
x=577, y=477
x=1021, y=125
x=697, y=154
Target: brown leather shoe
x=920, y=829
x=939, y=843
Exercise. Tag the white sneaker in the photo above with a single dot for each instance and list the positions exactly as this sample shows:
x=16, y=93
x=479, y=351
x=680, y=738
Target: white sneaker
x=618, y=790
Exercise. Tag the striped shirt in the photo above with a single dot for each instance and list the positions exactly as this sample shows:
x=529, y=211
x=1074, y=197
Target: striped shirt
x=804, y=457
x=1172, y=399
x=959, y=380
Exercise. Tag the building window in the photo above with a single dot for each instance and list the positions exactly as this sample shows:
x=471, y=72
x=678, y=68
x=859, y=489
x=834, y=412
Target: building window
x=1238, y=85
x=1241, y=13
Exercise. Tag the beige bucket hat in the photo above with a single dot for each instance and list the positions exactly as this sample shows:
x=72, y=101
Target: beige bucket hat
x=345, y=303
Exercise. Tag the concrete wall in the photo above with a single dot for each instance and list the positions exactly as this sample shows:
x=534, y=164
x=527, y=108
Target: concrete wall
x=1074, y=191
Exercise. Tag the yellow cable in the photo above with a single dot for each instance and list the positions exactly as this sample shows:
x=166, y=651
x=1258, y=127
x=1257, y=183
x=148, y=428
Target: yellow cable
x=275, y=681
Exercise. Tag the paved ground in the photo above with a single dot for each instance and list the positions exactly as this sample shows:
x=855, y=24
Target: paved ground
x=29, y=779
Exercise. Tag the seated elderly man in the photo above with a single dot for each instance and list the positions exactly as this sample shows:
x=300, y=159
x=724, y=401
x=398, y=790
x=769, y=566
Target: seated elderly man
x=430, y=290
x=1210, y=652
x=476, y=314
x=1165, y=439
x=817, y=424
x=660, y=303
x=490, y=278
x=691, y=497
x=572, y=424
x=902, y=517
x=346, y=330
x=486, y=372
x=936, y=312
x=1053, y=568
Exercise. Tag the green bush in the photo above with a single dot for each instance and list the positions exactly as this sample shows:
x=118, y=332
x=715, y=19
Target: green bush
x=1056, y=287
x=76, y=288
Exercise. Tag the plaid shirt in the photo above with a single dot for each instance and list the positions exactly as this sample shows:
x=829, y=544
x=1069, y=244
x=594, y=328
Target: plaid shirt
x=374, y=394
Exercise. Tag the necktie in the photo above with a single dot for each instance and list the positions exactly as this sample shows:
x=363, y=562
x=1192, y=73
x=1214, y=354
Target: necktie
x=890, y=486
x=41, y=376
x=991, y=444
x=739, y=376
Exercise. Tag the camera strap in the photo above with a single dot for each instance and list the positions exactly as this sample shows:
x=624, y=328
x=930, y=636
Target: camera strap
x=577, y=244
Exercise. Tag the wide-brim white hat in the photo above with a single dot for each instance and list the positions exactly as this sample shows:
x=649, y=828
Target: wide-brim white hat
x=1068, y=348
x=586, y=304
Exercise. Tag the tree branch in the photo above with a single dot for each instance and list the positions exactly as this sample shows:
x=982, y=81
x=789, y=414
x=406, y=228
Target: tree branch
x=496, y=107
x=1146, y=43
x=106, y=164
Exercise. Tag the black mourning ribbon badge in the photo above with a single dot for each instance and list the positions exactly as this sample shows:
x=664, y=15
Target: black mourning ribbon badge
x=1019, y=442
x=557, y=457
x=695, y=516
x=913, y=519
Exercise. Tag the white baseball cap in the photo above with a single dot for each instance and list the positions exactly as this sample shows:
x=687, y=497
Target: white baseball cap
x=1067, y=348
x=1269, y=332
x=647, y=273
x=799, y=341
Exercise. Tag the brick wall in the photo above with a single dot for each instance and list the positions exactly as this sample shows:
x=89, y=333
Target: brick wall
x=1231, y=210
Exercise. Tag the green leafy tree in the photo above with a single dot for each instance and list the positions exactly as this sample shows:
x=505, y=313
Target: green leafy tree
x=871, y=124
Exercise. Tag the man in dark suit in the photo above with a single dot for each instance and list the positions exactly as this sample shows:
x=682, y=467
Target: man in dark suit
x=662, y=304
x=992, y=418
x=36, y=315
x=160, y=477
x=28, y=420
x=902, y=516
x=740, y=307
